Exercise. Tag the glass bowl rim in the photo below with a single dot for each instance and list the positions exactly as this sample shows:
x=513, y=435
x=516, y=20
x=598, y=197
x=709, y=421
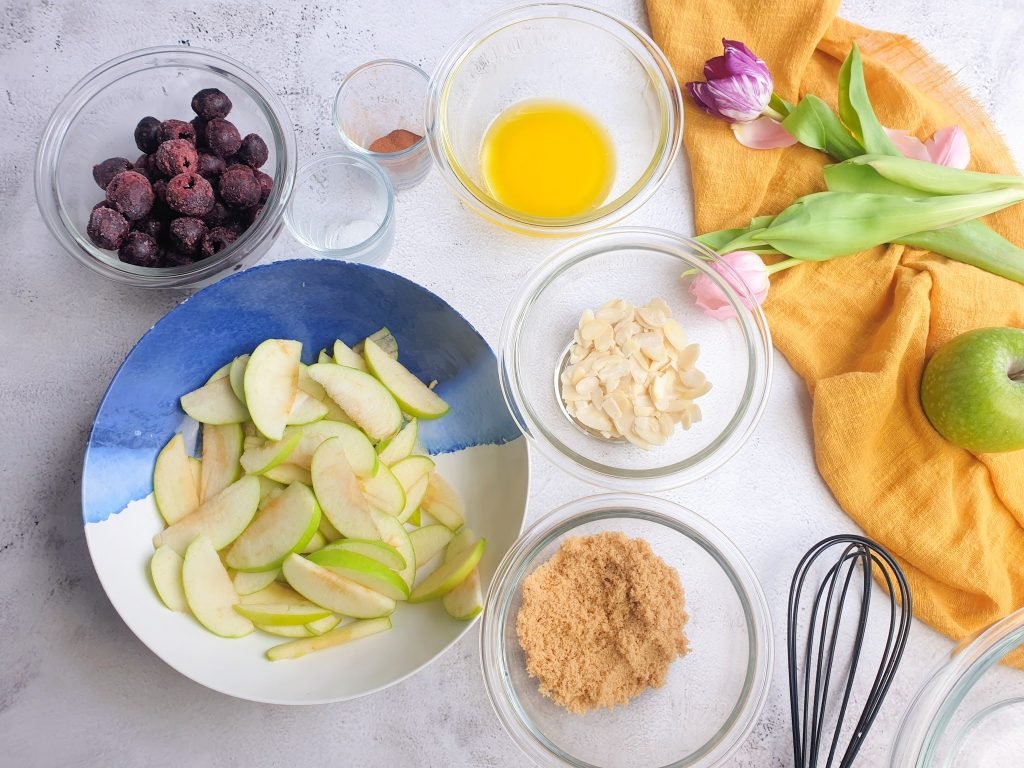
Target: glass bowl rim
x=86, y=89
x=561, y=521
x=660, y=75
x=364, y=163
x=753, y=325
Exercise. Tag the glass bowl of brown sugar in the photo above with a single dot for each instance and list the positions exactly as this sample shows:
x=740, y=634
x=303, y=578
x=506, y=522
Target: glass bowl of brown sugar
x=624, y=631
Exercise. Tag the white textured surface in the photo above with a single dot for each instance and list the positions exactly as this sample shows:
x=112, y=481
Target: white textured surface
x=76, y=687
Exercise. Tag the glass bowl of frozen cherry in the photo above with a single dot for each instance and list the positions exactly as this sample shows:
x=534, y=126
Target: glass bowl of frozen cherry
x=167, y=167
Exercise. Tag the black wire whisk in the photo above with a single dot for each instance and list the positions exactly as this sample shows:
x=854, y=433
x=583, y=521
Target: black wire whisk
x=812, y=705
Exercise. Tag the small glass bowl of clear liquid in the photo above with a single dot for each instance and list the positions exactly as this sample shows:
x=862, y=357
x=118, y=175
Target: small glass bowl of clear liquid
x=343, y=207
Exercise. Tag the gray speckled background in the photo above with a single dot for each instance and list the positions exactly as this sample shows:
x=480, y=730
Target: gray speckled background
x=76, y=687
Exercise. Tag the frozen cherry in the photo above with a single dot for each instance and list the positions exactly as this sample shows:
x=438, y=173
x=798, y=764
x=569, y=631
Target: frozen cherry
x=266, y=185
x=210, y=166
x=217, y=239
x=147, y=134
x=141, y=165
x=107, y=228
x=187, y=234
x=173, y=258
x=190, y=194
x=131, y=194
x=139, y=249
x=210, y=103
x=177, y=129
x=217, y=216
x=239, y=187
x=103, y=173
x=199, y=126
x=176, y=156
x=253, y=151
x=151, y=225
x=250, y=215
x=222, y=137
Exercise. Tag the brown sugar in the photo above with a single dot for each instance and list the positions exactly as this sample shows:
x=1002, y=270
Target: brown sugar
x=601, y=621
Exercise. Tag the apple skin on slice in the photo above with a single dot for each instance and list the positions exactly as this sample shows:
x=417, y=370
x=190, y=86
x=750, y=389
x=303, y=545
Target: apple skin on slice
x=329, y=590
x=367, y=402
x=222, y=518
x=358, y=449
x=449, y=575
x=165, y=568
x=428, y=541
x=352, y=631
x=215, y=403
x=466, y=601
x=284, y=525
x=400, y=446
x=209, y=592
x=383, y=553
x=443, y=503
x=257, y=460
x=271, y=382
x=222, y=448
x=324, y=625
x=413, y=396
x=236, y=375
x=286, y=630
x=363, y=570
x=337, y=490
x=174, y=487
x=282, y=615
x=317, y=541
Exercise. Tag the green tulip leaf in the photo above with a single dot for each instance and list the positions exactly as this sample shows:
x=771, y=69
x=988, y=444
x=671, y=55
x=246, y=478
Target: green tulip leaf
x=815, y=125
x=855, y=108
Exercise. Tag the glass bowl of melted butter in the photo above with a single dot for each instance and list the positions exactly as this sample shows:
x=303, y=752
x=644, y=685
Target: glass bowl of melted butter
x=554, y=119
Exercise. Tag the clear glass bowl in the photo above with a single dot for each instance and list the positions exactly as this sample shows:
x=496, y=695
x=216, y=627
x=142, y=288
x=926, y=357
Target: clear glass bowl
x=96, y=120
x=567, y=53
x=343, y=207
x=712, y=696
x=970, y=712
x=376, y=99
x=635, y=264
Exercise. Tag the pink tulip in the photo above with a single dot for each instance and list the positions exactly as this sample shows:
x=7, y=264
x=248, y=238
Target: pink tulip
x=948, y=146
x=748, y=276
x=763, y=133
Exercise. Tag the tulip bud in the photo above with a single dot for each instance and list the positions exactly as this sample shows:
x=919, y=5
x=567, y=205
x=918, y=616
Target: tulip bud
x=748, y=276
x=739, y=85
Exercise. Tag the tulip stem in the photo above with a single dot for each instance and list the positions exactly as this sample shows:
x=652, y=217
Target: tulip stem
x=774, y=115
x=785, y=264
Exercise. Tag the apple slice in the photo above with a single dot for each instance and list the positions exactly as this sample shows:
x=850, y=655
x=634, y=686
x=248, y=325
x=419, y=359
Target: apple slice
x=331, y=590
x=384, y=491
x=289, y=473
x=337, y=490
x=358, y=449
x=323, y=357
x=449, y=575
x=165, y=568
x=324, y=625
x=362, y=397
x=269, y=487
x=383, y=553
x=465, y=601
x=284, y=525
x=209, y=592
x=428, y=541
x=196, y=465
x=174, y=487
x=236, y=375
x=214, y=403
x=317, y=541
x=249, y=583
x=363, y=570
x=271, y=382
x=220, y=373
x=306, y=409
x=282, y=614
x=413, y=473
x=463, y=538
x=384, y=339
x=257, y=459
x=286, y=630
x=343, y=355
x=442, y=502
x=393, y=534
x=414, y=518
x=351, y=631
x=222, y=448
x=395, y=449
x=328, y=531
x=221, y=519
x=413, y=396
x=275, y=592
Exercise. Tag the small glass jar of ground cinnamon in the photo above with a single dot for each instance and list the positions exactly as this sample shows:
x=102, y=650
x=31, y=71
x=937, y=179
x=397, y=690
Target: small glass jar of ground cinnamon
x=379, y=112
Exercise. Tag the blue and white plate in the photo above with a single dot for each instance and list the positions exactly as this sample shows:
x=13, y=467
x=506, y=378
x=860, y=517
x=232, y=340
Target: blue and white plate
x=476, y=446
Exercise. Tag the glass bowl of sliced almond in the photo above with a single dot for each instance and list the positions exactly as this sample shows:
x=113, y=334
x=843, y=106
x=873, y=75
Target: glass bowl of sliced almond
x=612, y=370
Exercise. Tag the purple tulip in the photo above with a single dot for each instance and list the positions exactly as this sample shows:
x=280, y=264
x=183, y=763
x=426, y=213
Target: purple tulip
x=739, y=85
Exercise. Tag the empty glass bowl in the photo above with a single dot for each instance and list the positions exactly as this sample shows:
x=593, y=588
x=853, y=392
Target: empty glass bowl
x=713, y=694
x=343, y=208
x=565, y=53
x=635, y=264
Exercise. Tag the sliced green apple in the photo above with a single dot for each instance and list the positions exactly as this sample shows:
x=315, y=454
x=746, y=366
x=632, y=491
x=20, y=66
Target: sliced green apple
x=196, y=465
x=330, y=590
x=324, y=625
x=209, y=591
x=268, y=487
x=413, y=473
x=214, y=403
x=358, y=449
x=165, y=568
x=465, y=601
x=428, y=541
x=222, y=448
x=275, y=592
x=220, y=373
x=344, y=634
x=249, y=583
x=236, y=375
x=413, y=396
x=286, y=630
x=384, y=491
x=328, y=531
x=394, y=449
x=383, y=553
x=174, y=488
x=282, y=614
x=284, y=525
x=363, y=570
x=343, y=355
x=315, y=389
x=414, y=518
x=463, y=538
x=384, y=339
x=317, y=541
x=222, y=518
x=257, y=459
x=289, y=473
x=306, y=409
x=362, y=397
x=393, y=534
x=271, y=382
x=323, y=357
x=337, y=490
x=449, y=574
x=443, y=503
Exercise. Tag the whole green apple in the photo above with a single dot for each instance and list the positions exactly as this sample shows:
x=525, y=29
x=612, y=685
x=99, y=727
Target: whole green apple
x=973, y=390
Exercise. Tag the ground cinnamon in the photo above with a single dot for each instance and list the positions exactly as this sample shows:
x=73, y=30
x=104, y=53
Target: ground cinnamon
x=395, y=141
x=601, y=621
